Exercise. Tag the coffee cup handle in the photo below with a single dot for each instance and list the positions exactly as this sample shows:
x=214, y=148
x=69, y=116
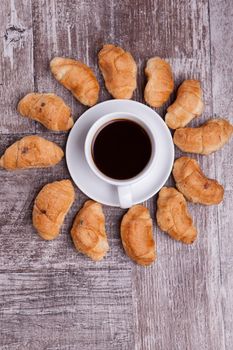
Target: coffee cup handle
x=125, y=196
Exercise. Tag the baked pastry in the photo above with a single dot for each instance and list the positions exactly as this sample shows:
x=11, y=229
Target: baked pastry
x=137, y=235
x=78, y=78
x=88, y=231
x=31, y=152
x=188, y=105
x=48, y=109
x=119, y=71
x=194, y=185
x=173, y=216
x=208, y=138
x=160, y=82
x=51, y=206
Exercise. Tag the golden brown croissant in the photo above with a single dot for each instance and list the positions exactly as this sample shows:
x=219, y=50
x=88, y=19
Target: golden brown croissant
x=119, y=71
x=137, y=235
x=78, y=78
x=173, y=216
x=188, y=105
x=206, y=139
x=160, y=82
x=51, y=206
x=194, y=185
x=48, y=109
x=88, y=231
x=31, y=152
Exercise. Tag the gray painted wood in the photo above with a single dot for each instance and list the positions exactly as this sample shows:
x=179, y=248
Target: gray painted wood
x=222, y=90
x=16, y=63
x=52, y=297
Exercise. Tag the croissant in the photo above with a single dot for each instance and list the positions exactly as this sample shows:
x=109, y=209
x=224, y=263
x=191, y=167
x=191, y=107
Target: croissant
x=88, y=231
x=48, y=109
x=78, y=78
x=31, y=152
x=160, y=82
x=137, y=235
x=188, y=105
x=173, y=216
x=51, y=206
x=194, y=185
x=208, y=138
x=119, y=71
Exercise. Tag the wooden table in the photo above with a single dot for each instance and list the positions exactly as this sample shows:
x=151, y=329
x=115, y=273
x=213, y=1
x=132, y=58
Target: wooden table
x=52, y=297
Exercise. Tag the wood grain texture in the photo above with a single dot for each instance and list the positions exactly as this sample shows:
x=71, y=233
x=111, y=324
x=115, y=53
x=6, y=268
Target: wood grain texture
x=222, y=91
x=51, y=296
x=60, y=309
x=16, y=63
x=182, y=288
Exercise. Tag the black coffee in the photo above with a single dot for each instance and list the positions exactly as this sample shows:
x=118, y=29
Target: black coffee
x=121, y=149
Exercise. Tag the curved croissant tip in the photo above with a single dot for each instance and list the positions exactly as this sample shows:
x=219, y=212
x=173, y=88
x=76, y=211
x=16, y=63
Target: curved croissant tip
x=155, y=58
x=70, y=123
x=2, y=162
x=231, y=128
x=167, y=121
x=18, y=106
x=54, y=61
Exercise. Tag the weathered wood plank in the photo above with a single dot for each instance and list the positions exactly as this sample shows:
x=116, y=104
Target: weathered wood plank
x=69, y=29
x=181, y=289
x=66, y=310
x=221, y=14
x=20, y=246
x=16, y=63
x=55, y=298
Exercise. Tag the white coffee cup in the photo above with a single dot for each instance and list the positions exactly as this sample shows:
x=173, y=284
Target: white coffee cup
x=124, y=187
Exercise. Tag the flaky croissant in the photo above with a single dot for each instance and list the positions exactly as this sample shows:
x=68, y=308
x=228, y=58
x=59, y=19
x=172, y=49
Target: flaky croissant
x=119, y=71
x=76, y=77
x=194, y=185
x=173, y=216
x=88, y=231
x=137, y=235
x=51, y=206
x=48, y=109
x=160, y=82
x=208, y=138
x=188, y=105
x=31, y=152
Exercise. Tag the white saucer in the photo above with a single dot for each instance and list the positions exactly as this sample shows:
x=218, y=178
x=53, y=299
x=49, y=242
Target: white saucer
x=92, y=185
